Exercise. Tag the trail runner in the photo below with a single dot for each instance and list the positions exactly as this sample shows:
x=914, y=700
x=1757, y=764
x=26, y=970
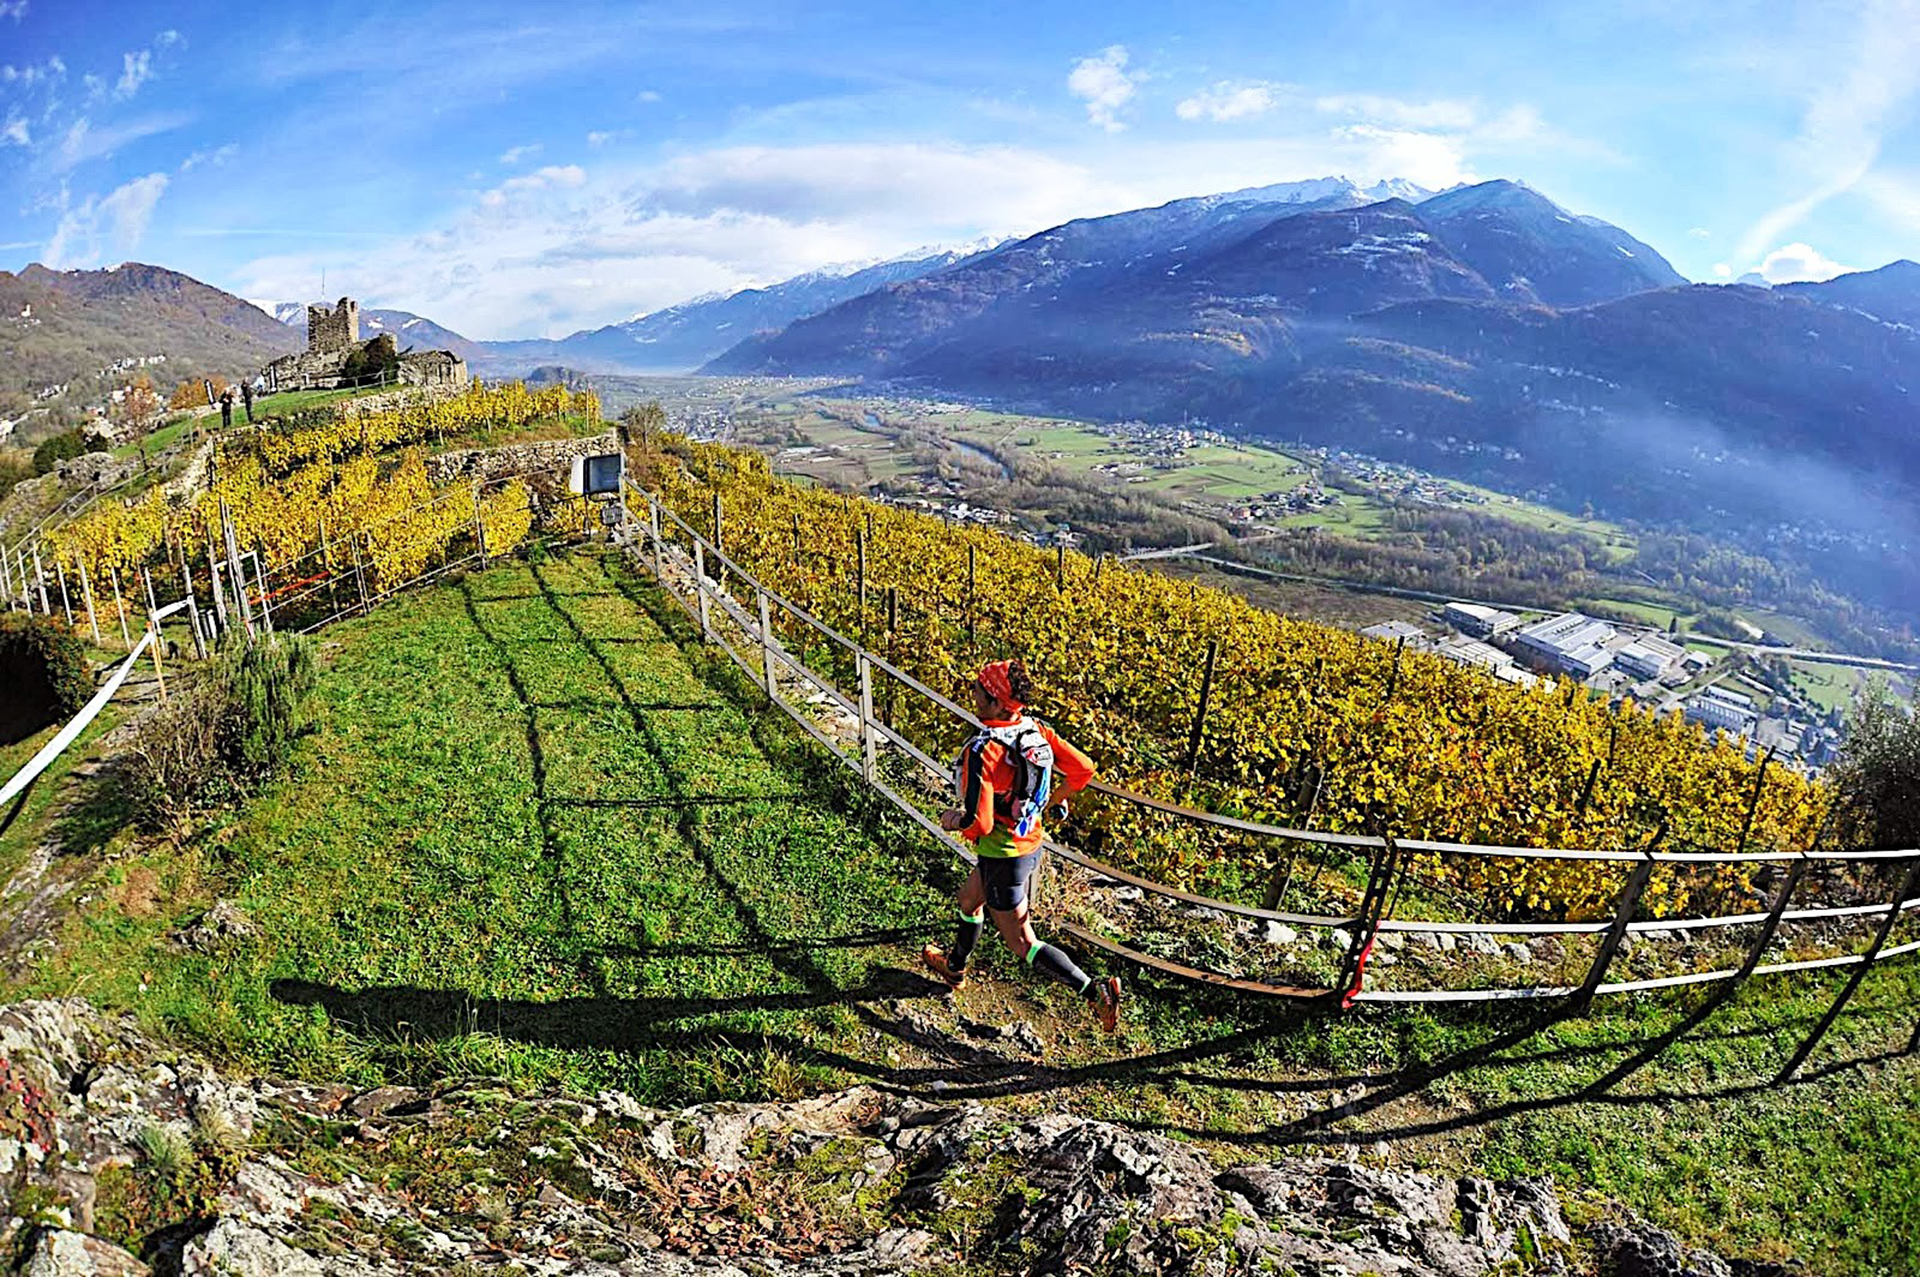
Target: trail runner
x=1005, y=778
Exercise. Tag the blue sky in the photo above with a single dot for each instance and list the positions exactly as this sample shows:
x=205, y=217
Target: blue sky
x=530, y=170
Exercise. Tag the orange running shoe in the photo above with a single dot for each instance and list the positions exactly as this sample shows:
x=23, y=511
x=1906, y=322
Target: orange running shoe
x=936, y=960
x=1106, y=1003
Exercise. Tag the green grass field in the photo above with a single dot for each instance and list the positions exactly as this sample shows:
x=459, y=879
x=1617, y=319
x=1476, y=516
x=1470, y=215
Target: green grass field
x=526, y=838
x=539, y=832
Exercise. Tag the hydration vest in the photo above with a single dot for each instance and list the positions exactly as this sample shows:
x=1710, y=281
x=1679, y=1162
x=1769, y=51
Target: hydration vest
x=1031, y=757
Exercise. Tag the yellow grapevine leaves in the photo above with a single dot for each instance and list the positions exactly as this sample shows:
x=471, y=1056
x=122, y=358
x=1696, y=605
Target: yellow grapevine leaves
x=1300, y=723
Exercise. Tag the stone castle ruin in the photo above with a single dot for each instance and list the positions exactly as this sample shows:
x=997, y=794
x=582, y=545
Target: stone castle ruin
x=333, y=327
x=333, y=341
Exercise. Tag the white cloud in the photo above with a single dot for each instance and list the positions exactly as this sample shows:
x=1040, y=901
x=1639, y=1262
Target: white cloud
x=581, y=248
x=1847, y=115
x=646, y=95
x=1103, y=84
x=15, y=133
x=210, y=158
x=1699, y=232
x=1793, y=262
x=1431, y=160
x=1226, y=101
x=136, y=70
x=1395, y=113
x=552, y=177
x=114, y=224
x=84, y=141
x=52, y=69
x=597, y=137
x=15, y=9
x=514, y=154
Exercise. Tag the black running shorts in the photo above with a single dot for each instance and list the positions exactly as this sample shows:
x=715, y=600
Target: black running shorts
x=1006, y=879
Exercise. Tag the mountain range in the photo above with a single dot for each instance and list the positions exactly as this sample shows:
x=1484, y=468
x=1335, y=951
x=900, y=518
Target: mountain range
x=86, y=330
x=1482, y=331
x=674, y=340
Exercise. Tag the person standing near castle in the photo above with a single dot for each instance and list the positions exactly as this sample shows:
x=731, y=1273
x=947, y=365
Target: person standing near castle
x=226, y=408
x=1004, y=781
x=246, y=398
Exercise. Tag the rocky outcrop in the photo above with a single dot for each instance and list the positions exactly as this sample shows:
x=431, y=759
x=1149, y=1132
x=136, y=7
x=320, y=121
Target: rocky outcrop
x=120, y=1157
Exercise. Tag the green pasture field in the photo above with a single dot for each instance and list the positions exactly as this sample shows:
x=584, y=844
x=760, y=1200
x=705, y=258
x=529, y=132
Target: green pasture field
x=1830, y=687
x=538, y=831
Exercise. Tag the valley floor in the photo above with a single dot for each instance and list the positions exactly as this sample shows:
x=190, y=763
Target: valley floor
x=539, y=834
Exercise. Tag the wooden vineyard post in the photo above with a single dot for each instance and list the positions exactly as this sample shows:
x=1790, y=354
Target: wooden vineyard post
x=359, y=572
x=236, y=575
x=719, y=546
x=970, y=602
x=1586, y=794
x=1393, y=677
x=1753, y=800
x=893, y=646
x=1908, y=881
x=796, y=536
x=260, y=580
x=66, y=603
x=219, y=596
x=193, y=605
x=1060, y=566
x=866, y=716
x=40, y=580
x=86, y=593
x=119, y=605
x=326, y=565
x=700, y=589
x=153, y=631
x=860, y=569
x=1206, y=699
x=479, y=526
x=653, y=530
x=766, y=645
x=1616, y=931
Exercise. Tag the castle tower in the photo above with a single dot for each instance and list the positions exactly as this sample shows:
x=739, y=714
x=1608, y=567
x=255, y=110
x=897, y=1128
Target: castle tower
x=332, y=328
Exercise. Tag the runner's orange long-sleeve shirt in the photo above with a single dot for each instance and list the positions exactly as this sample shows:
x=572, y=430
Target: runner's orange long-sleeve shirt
x=988, y=779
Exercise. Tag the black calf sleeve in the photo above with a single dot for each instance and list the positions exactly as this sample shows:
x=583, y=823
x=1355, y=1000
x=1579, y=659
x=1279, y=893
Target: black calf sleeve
x=1055, y=962
x=967, y=936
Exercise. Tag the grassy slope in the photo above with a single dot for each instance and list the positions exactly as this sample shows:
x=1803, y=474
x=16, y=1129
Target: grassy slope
x=522, y=814
x=534, y=835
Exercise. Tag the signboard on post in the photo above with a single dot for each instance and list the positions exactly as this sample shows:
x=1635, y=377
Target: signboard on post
x=598, y=476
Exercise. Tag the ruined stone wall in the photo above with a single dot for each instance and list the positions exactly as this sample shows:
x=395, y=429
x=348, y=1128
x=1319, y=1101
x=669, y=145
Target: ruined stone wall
x=517, y=458
x=331, y=328
x=434, y=368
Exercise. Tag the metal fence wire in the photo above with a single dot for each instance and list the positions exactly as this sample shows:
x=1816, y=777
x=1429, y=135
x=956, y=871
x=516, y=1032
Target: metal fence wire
x=830, y=685
x=839, y=692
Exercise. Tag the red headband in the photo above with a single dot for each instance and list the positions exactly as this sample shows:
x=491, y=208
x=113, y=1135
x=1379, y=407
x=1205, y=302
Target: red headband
x=997, y=678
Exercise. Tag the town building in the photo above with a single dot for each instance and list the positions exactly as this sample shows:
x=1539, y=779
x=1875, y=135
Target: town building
x=1715, y=707
x=1651, y=656
x=1396, y=631
x=1466, y=651
x=1478, y=620
x=1571, y=642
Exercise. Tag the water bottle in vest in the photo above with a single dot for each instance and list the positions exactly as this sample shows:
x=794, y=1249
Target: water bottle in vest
x=1031, y=757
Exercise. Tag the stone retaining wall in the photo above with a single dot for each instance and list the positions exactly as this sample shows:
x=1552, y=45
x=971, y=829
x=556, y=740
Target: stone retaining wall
x=517, y=458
